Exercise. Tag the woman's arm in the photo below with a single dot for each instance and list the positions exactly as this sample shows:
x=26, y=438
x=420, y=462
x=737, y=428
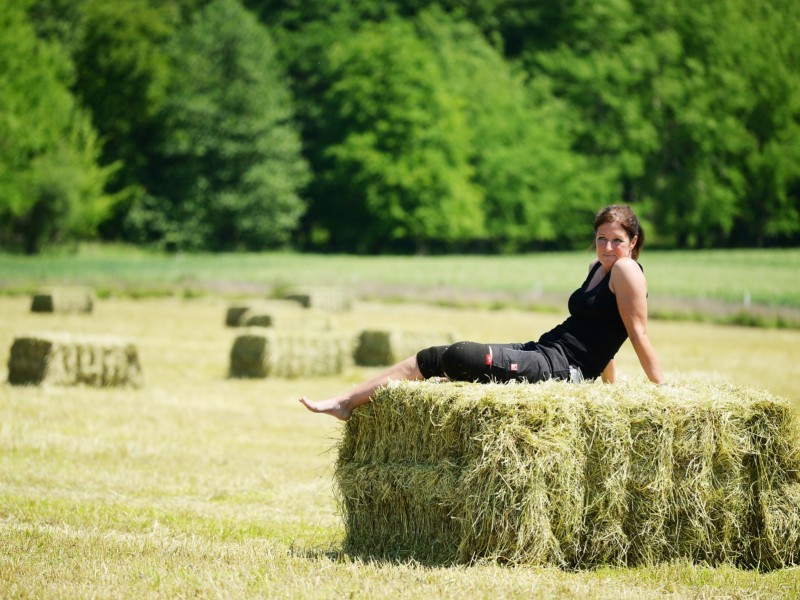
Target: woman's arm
x=609, y=374
x=630, y=287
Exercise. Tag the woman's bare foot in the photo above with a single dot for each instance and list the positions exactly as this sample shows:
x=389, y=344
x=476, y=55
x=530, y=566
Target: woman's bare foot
x=334, y=406
x=343, y=405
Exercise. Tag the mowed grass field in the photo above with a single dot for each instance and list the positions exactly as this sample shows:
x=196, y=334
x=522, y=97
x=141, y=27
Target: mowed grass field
x=197, y=485
x=697, y=282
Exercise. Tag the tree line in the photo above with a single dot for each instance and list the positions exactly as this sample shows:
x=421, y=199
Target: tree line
x=397, y=126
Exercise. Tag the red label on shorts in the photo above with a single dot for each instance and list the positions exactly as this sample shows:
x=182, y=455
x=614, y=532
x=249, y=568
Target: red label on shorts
x=488, y=359
x=514, y=367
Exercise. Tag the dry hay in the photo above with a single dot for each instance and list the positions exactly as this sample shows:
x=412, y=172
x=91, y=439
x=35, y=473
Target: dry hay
x=322, y=298
x=272, y=353
x=69, y=299
x=307, y=319
x=386, y=347
x=236, y=312
x=65, y=359
x=573, y=475
x=233, y=316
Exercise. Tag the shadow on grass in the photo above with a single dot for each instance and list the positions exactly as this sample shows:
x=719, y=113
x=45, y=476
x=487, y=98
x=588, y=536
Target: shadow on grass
x=338, y=554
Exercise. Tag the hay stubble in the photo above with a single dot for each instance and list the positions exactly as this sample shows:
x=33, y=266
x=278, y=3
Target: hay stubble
x=204, y=486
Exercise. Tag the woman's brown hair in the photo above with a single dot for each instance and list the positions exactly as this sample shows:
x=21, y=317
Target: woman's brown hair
x=625, y=217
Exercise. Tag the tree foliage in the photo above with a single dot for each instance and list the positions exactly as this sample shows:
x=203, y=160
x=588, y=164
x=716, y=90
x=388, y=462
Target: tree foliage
x=123, y=74
x=397, y=145
x=228, y=164
x=51, y=187
x=494, y=125
x=670, y=96
x=533, y=184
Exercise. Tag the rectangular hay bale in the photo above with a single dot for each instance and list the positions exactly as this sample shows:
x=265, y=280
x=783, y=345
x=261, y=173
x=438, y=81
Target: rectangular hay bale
x=67, y=299
x=376, y=347
x=65, y=359
x=269, y=353
x=321, y=298
x=306, y=319
x=233, y=316
x=236, y=312
x=570, y=475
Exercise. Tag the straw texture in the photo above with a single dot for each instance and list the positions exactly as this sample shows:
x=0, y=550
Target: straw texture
x=65, y=359
x=262, y=352
x=574, y=475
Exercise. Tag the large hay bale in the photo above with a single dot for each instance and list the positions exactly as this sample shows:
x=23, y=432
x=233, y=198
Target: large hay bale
x=572, y=475
x=321, y=298
x=376, y=347
x=65, y=359
x=271, y=353
x=68, y=299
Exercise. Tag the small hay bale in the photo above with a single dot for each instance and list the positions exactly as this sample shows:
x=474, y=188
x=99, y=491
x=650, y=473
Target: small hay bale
x=64, y=359
x=70, y=299
x=269, y=353
x=236, y=312
x=387, y=347
x=321, y=298
x=233, y=316
x=309, y=320
x=568, y=475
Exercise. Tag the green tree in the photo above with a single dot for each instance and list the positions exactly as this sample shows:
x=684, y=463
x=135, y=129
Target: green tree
x=694, y=106
x=229, y=168
x=304, y=33
x=758, y=46
x=537, y=190
x=122, y=75
x=692, y=179
x=602, y=69
x=51, y=187
x=397, y=170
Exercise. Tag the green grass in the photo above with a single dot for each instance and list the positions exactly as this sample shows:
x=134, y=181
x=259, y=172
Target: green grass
x=198, y=485
x=699, y=281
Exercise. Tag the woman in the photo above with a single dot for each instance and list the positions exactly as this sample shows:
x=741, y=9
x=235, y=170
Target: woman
x=608, y=308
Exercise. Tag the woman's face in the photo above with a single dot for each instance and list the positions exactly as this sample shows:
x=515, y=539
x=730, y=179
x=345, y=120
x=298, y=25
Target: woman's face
x=613, y=243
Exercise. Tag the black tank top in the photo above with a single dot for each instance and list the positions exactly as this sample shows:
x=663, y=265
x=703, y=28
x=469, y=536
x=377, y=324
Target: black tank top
x=594, y=331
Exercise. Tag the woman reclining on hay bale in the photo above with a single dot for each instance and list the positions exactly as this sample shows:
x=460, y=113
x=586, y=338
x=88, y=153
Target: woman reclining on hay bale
x=609, y=307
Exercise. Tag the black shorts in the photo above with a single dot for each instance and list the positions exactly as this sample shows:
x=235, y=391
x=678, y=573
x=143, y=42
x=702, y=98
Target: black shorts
x=471, y=361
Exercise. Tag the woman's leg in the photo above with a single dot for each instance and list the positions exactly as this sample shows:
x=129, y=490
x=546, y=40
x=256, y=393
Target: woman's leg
x=342, y=406
x=471, y=361
x=462, y=361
